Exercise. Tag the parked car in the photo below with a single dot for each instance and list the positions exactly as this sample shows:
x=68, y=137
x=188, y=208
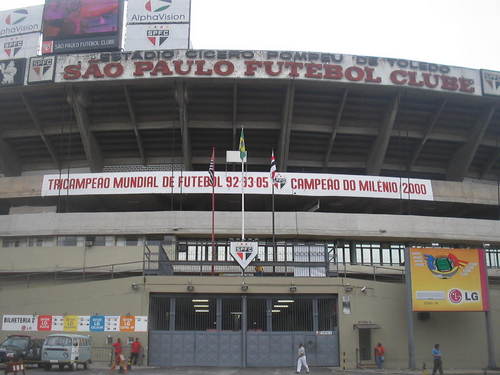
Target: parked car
x=21, y=347
x=66, y=350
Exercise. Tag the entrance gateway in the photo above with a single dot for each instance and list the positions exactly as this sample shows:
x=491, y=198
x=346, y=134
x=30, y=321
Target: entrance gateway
x=242, y=330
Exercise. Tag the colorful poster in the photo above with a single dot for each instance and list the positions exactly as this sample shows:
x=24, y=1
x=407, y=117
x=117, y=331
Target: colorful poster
x=71, y=323
x=21, y=20
x=97, y=323
x=158, y=11
x=84, y=323
x=141, y=323
x=57, y=323
x=19, y=323
x=445, y=279
x=127, y=323
x=44, y=323
x=112, y=323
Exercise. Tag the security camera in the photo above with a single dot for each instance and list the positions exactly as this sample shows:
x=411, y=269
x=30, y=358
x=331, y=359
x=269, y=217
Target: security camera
x=363, y=289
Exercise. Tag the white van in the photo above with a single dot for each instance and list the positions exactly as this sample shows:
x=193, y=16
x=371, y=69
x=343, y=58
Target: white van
x=66, y=350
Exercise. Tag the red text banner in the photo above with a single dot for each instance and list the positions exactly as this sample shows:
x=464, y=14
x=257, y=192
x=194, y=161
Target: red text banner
x=231, y=183
x=328, y=67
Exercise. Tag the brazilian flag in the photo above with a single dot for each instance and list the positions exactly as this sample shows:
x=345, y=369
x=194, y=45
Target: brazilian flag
x=243, y=149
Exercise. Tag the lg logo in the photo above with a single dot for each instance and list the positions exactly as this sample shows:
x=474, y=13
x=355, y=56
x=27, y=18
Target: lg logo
x=458, y=296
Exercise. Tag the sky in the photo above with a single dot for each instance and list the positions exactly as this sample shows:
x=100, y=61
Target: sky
x=452, y=32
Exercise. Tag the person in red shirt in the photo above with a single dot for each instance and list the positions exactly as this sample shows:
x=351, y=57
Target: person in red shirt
x=379, y=355
x=119, y=359
x=135, y=349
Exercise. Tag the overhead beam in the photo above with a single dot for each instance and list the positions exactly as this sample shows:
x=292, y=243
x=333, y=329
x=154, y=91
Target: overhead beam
x=490, y=163
x=9, y=159
x=435, y=117
x=379, y=149
x=181, y=99
x=287, y=114
x=133, y=121
x=38, y=125
x=79, y=101
x=462, y=159
x=335, y=126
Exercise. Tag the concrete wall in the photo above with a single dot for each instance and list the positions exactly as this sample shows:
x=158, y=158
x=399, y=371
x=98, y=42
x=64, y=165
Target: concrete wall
x=302, y=225
x=382, y=304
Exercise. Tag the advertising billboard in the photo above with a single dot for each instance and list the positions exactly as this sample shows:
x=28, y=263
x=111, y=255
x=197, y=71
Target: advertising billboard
x=12, y=72
x=25, y=45
x=491, y=82
x=81, y=25
x=174, y=36
x=41, y=69
x=445, y=279
x=21, y=21
x=158, y=11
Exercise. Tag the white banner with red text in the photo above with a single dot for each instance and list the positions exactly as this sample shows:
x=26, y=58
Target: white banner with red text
x=328, y=67
x=304, y=184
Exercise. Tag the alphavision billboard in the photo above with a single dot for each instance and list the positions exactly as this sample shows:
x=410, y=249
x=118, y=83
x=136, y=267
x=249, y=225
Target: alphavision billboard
x=444, y=279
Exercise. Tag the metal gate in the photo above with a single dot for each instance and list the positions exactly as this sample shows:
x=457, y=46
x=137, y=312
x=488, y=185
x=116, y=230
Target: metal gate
x=173, y=345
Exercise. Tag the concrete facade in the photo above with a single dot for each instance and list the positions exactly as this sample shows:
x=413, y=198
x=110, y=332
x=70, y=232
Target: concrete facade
x=381, y=303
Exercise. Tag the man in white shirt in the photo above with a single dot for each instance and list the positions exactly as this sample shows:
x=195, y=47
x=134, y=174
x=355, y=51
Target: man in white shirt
x=301, y=360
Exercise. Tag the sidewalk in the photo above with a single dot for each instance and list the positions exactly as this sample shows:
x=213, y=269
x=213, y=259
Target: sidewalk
x=101, y=370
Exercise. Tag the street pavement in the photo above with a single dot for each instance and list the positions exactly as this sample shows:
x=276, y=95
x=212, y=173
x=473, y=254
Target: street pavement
x=100, y=370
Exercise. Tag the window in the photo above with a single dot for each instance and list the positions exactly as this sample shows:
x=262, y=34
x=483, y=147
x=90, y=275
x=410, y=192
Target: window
x=154, y=240
x=131, y=241
x=292, y=314
x=58, y=341
x=195, y=314
x=95, y=241
x=256, y=315
x=66, y=241
x=35, y=242
x=327, y=314
x=13, y=242
x=231, y=314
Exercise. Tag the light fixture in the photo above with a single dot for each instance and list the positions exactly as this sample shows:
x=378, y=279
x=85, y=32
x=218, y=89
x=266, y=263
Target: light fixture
x=286, y=301
x=363, y=289
x=244, y=287
x=201, y=311
x=435, y=244
x=201, y=306
x=200, y=300
x=190, y=288
x=347, y=288
x=275, y=311
x=134, y=286
x=293, y=289
x=486, y=245
x=280, y=306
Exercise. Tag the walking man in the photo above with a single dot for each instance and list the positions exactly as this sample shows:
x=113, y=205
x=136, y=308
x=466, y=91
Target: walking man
x=438, y=361
x=135, y=349
x=379, y=355
x=301, y=360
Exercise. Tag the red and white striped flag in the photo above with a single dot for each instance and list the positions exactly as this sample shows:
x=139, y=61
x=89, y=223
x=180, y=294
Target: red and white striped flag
x=211, y=168
x=273, y=168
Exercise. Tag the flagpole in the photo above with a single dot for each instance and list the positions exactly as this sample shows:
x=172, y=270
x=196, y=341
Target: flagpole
x=213, y=214
x=242, y=201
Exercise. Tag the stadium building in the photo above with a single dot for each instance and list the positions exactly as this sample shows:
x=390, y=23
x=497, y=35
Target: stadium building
x=106, y=204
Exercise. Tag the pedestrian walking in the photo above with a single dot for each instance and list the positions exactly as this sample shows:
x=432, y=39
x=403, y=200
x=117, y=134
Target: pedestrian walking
x=135, y=349
x=438, y=360
x=119, y=359
x=379, y=355
x=301, y=360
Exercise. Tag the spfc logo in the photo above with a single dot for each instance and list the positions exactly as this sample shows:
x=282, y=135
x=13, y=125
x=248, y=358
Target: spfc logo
x=17, y=16
x=158, y=35
x=492, y=80
x=157, y=5
x=244, y=252
x=279, y=182
x=41, y=69
x=12, y=47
